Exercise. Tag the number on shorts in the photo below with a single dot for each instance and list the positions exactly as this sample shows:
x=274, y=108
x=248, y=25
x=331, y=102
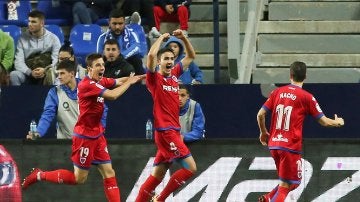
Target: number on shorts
x=173, y=146
x=84, y=152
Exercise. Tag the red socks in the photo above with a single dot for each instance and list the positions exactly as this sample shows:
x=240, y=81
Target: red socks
x=281, y=194
x=60, y=176
x=147, y=188
x=176, y=180
x=111, y=189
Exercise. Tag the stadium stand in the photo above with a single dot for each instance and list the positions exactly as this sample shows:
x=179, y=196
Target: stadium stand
x=22, y=11
x=55, y=13
x=57, y=31
x=324, y=34
x=13, y=30
x=83, y=39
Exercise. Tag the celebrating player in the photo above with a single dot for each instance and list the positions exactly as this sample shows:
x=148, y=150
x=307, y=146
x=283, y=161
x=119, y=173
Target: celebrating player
x=89, y=144
x=288, y=106
x=164, y=88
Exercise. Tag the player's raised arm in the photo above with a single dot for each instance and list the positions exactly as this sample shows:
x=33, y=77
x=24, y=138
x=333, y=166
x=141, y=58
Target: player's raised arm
x=152, y=55
x=190, y=52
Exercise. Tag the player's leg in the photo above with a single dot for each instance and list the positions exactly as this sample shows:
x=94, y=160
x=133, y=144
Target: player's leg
x=289, y=170
x=103, y=161
x=179, y=177
x=111, y=188
x=61, y=176
x=147, y=189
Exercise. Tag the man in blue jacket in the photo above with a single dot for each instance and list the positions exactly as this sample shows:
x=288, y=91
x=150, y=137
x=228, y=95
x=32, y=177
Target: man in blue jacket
x=192, y=119
x=193, y=75
x=61, y=101
x=133, y=46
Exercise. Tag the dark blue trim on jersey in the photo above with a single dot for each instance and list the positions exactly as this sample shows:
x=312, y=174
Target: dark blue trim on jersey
x=265, y=108
x=81, y=167
x=168, y=128
x=100, y=162
x=319, y=116
x=102, y=91
x=87, y=137
x=285, y=149
x=290, y=181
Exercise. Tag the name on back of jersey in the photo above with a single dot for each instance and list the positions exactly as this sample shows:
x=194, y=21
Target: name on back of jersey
x=288, y=95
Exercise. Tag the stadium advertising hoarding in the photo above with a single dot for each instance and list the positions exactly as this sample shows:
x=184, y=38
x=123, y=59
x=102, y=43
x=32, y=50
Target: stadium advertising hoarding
x=228, y=170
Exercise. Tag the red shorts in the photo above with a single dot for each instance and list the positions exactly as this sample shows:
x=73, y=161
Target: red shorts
x=87, y=151
x=288, y=165
x=170, y=146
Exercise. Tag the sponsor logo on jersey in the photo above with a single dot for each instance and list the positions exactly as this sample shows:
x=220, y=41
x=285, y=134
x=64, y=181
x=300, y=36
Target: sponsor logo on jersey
x=280, y=138
x=170, y=88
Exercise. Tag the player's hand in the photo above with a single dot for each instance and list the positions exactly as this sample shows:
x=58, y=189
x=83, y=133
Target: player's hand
x=32, y=136
x=179, y=34
x=264, y=138
x=164, y=37
x=339, y=120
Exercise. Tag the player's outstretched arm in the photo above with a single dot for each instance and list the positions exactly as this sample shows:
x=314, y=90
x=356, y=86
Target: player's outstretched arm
x=328, y=122
x=151, y=61
x=118, y=91
x=120, y=81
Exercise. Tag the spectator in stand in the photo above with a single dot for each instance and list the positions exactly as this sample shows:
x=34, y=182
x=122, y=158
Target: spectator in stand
x=171, y=11
x=193, y=75
x=115, y=64
x=36, y=53
x=89, y=11
x=144, y=8
x=129, y=42
x=7, y=52
x=67, y=53
x=192, y=119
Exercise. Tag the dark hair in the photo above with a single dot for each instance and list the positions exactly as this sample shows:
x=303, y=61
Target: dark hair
x=183, y=86
x=116, y=13
x=91, y=58
x=37, y=14
x=112, y=42
x=67, y=48
x=68, y=65
x=298, y=71
x=164, y=50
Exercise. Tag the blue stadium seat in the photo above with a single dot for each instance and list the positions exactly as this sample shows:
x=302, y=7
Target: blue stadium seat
x=83, y=38
x=58, y=14
x=22, y=11
x=57, y=31
x=102, y=22
x=13, y=30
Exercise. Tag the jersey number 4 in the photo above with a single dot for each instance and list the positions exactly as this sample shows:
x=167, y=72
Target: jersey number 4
x=283, y=117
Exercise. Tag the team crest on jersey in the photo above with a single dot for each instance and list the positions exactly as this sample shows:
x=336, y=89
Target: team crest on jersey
x=174, y=78
x=82, y=160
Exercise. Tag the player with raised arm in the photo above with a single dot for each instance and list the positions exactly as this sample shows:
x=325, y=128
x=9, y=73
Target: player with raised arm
x=89, y=145
x=289, y=106
x=164, y=88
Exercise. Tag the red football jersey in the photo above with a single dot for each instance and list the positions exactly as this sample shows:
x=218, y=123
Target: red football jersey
x=91, y=106
x=289, y=105
x=165, y=94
